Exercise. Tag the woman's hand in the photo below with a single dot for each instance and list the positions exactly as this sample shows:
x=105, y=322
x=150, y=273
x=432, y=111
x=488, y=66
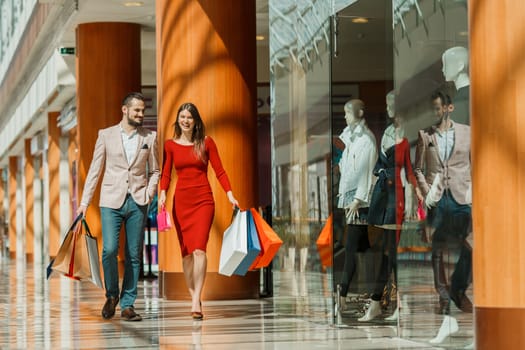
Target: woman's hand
x=232, y=199
x=162, y=198
x=419, y=195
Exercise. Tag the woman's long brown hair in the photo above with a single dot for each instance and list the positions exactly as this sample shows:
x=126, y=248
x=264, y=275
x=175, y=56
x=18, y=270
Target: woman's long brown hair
x=198, y=134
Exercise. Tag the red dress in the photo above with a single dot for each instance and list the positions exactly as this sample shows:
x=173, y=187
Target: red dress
x=193, y=204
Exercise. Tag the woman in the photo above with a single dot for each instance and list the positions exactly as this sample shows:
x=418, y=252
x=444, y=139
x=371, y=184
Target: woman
x=193, y=206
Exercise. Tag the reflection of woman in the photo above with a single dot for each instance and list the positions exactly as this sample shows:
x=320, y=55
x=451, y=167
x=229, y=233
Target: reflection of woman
x=193, y=205
x=387, y=205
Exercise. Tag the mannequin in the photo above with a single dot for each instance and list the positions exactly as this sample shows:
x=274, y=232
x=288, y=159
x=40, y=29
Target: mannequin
x=387, y=205
x=455, y=69
x=356, y=168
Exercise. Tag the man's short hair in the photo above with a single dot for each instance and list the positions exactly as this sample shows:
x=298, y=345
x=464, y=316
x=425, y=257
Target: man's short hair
x=132, y=95
x=445, y=98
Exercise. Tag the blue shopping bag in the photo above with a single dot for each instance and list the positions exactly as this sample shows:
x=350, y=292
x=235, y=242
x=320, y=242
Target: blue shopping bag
x=254, y=247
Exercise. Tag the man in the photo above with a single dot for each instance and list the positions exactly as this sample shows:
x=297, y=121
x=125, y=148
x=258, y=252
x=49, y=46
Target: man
x=442, y=169
x=128, y=154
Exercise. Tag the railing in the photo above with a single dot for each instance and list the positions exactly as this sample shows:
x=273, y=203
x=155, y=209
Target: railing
x=14, y=17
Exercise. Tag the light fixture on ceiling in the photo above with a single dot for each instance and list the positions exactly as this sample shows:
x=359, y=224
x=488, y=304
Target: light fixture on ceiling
x=463, y=33
x=133, y=3
x=360, y=20
x=259, y=37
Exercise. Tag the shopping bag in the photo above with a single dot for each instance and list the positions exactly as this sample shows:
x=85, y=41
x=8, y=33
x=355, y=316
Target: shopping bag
x=77, y=257
x=234, y=244
x=324, y=242
x=254, y=246
x=94, y=261
x=270, y=241
x=163, y=220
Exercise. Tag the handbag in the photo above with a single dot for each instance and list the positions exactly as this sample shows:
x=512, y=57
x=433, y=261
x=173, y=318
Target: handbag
x=163, y=220
x=234, y=244
x=77, y=257
x=325, y=241
x=270, y=241
x=254, y=246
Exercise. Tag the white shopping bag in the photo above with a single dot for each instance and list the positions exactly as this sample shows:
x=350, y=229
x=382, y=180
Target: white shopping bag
x=234, y=244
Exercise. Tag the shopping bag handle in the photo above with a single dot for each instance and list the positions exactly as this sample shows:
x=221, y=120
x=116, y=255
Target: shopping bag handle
x=236, y=210
x=75, y=222
x=86, y=227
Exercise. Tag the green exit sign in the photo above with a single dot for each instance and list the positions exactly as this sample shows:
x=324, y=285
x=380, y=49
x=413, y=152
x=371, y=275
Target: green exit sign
x=67, y=50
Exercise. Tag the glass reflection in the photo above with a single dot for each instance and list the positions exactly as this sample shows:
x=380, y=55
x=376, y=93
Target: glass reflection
x=435, y=255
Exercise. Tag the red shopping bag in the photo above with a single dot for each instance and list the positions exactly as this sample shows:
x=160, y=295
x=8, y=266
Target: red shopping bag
x=270, y=241
x=325, y=241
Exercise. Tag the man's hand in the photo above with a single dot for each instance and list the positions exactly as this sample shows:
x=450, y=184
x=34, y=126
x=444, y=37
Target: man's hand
x=81, y=210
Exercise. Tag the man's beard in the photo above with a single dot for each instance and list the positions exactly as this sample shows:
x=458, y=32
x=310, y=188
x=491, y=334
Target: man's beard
x=133, y=122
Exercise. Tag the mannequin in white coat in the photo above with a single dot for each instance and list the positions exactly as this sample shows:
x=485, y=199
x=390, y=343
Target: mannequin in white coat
x=356, y=168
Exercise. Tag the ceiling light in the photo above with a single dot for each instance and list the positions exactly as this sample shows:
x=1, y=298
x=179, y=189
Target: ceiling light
x=133, y=3
x=360, y=20
x=463, y=33
x=259, y=37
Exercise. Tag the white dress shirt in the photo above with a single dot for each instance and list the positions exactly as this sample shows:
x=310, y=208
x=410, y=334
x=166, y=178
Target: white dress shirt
x=129, y=142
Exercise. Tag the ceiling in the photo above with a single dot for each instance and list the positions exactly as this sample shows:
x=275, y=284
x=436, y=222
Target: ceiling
x=116, y=11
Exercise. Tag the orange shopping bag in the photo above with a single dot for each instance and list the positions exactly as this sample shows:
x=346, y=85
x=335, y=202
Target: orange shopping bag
x=270, y=242
x=325, y=241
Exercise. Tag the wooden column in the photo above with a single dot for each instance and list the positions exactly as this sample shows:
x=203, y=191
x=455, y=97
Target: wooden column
x=206, y=54
x=53, y=164
x=497, y=37
x=29, y=173
x=12, y=183
x=2, y=195
x=108, y=68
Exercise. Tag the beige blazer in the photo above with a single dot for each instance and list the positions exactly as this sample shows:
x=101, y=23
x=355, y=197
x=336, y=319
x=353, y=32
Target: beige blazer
x=454, y=172
x=140, y=177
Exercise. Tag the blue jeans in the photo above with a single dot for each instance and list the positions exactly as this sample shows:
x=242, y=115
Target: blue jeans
x=134, y=217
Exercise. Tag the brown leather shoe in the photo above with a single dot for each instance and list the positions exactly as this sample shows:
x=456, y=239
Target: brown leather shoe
x=108, y=311
x=129, y=314
x=462, y=301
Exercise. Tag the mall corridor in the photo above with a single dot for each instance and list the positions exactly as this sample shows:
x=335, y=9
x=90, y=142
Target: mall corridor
x=60, y=313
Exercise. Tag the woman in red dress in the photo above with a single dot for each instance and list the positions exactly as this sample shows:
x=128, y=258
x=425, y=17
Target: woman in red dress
x=193, y=206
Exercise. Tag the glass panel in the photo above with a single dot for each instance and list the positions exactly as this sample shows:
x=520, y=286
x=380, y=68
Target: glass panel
x=432, y=91
x=300, y=136
x=361, y=78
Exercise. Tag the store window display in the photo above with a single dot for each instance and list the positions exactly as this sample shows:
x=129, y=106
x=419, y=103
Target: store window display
x=356, y=179
x=442, y=169
x=455, y=69
x=388, y=206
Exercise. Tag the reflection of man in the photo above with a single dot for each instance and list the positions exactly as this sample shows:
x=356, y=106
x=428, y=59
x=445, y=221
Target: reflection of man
x=442, y=169
x=455, y=69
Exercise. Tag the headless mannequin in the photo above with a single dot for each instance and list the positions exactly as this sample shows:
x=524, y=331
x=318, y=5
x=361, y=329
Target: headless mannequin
x=455, y=69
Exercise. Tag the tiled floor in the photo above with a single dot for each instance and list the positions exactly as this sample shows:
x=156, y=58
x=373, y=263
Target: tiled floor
x=65, y=314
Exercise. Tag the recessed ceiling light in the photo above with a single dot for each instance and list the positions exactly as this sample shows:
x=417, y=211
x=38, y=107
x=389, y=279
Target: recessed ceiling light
x=133, y=3
x=360, y=20
x=259, y=37
x=463, y=33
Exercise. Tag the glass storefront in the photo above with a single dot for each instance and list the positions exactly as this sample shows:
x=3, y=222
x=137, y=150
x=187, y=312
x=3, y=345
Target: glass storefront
x=371, y=143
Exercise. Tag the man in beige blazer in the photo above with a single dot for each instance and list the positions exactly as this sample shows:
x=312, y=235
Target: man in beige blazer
x=127, y=155
x=442, y=169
